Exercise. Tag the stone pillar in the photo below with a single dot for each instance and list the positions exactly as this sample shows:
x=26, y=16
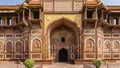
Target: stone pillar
x=112, y=22
x=101, y=18
x=85, y=14
x=39, y=13
x=107, y=18
x=96, y=14
x=118, y=20
x=13, y=20
x=18, y=17
x=5, y=20
x=23, y=14
x=30, y=16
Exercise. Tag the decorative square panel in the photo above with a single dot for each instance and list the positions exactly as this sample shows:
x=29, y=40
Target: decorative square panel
x=48, y=5
x=116, y=56
x=107, y=56
x=77, y=5
x=9, y=56
x=89, y=56
x=36, y=55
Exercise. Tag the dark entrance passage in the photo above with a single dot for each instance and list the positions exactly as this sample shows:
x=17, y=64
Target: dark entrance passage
x=63, y=55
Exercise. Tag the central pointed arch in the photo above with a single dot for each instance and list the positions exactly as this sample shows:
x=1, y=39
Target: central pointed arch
x=63, y=21
x=66, y=28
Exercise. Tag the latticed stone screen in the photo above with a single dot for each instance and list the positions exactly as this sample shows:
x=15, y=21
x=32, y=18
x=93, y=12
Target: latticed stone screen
x=63, y=5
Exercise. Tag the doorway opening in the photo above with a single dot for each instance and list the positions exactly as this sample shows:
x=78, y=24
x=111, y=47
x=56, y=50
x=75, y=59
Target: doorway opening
x=63, y=55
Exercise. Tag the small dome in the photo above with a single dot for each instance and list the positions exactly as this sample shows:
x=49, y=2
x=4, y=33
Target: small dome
x=25, y=4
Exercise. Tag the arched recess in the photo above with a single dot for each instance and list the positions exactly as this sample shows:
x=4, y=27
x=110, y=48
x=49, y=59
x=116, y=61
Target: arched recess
x=100, y=45
x=26, y=46
x=36, y=46
x=1, y=46
x=63, y=32
x=107, y=46
x=9, y=47
x=116, y=46
x=18, y=47
x=89, y=44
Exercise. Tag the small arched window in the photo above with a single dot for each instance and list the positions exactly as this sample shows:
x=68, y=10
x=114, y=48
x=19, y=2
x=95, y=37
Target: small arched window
x=63, y=39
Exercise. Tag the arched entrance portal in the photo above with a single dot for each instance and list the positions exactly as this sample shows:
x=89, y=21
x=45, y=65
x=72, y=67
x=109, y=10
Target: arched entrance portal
x=64, y=40
x=62, y=37
x=63, y=55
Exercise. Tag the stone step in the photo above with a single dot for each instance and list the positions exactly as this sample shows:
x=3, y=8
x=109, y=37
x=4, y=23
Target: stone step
x=62, y=65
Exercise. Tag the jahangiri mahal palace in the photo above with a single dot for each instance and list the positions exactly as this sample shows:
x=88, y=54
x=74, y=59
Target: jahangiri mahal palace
x=48, y=31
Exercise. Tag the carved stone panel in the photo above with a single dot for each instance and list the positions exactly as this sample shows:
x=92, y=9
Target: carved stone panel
x=19, y=47
x=116, y=46
x=9, y=47
x=89, y=45
x=107, y=46
x=1, y=47
x=36, y=46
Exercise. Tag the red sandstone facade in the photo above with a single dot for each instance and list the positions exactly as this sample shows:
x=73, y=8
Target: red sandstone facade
x=29, y=31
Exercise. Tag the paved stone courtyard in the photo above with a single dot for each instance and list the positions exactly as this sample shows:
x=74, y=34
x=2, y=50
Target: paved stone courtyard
x=104, y=66
x=16, y=66
x=58, y=65
x=62, y=65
